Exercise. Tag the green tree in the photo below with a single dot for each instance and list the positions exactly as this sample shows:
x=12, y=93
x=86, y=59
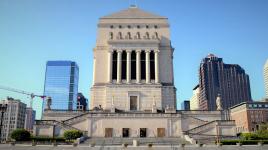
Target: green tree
x=20, y=135
x=72, y=134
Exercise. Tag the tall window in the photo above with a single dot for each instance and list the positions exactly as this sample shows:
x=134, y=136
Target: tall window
x=143, y=67
x=124, y=64
x=114, y=71
x=133, y=65
x=152, y=69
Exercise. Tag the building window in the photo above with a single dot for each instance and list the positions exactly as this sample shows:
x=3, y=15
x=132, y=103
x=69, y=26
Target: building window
x=124, y=64
x=114, y=71
x=147, y=26
x=125, y=132
x=111, y=26
x=133, y=65
x=138, y=26
x=133, y=103
x=142, y=132
x=143, y=65
x=155, y=26
x=152, y=68
x=129, y=26
x=120, y=26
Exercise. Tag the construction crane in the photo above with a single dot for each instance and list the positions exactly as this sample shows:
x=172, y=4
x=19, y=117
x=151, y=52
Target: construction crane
x=32, y=95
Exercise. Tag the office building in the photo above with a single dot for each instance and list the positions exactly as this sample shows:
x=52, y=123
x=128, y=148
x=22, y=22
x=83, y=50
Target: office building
x=194, y=101
x=265, y=71
x=82, y=102
x=61, y=84
x=185, y=105
x=228, y=80
x=13, y=118
x=29, y=119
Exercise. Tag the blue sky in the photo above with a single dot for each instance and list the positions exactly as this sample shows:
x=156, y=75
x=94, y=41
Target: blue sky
x=34, y=31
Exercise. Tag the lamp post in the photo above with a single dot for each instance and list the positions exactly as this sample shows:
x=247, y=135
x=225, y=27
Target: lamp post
x=3, y=108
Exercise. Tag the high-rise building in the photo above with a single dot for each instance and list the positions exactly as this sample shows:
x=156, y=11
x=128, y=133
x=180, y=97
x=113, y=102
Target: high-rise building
x=29, y=119
x=82, y=102
x=228, y=80
x=265, y=71
x=194, y=101
x=61, y=84
x=185, y=105
x=13, y=118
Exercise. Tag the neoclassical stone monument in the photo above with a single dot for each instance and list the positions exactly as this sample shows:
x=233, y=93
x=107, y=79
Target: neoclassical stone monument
x=133, y=93
x=133, y=62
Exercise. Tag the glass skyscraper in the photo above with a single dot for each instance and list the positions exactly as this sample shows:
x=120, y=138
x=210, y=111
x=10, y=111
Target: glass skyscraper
x=61, y=84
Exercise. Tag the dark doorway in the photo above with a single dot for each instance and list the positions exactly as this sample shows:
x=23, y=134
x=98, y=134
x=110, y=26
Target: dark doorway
x=161, y=132
x=125, y=132
x=133, y=102
x=108, y=132
x=142, y=132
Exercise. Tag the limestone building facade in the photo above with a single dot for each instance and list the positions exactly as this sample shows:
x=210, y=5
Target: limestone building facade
x=133, y=62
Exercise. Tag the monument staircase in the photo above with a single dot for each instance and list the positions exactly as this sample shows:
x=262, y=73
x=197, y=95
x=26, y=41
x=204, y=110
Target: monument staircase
x=75, y=119
x=199, y=133
x=56, y=123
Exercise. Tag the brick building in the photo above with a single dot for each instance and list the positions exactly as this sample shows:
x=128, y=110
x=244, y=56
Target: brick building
x=249, y=115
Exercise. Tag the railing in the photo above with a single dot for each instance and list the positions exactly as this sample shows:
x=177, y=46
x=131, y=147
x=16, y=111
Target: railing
x=54, y=122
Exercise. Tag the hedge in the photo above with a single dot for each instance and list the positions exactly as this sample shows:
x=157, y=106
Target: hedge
x=243, y=142
x=48, y=139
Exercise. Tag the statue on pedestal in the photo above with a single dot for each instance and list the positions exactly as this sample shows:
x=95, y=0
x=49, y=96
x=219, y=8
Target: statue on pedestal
x=218, y=103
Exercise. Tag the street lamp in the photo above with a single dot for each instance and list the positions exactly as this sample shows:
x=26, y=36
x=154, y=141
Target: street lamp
x=3, y=108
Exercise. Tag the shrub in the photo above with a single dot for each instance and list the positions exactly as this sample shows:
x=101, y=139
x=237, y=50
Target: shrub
x=47, y=139
x=20, y=135
x=243, y=142
x=72, y=134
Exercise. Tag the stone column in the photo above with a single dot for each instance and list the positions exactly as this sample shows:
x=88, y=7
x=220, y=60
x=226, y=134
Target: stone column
x=110, y=66
x=128, y=66
x=156, y=65
x=147, y=66
x=138, y=66
x=119, y=66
